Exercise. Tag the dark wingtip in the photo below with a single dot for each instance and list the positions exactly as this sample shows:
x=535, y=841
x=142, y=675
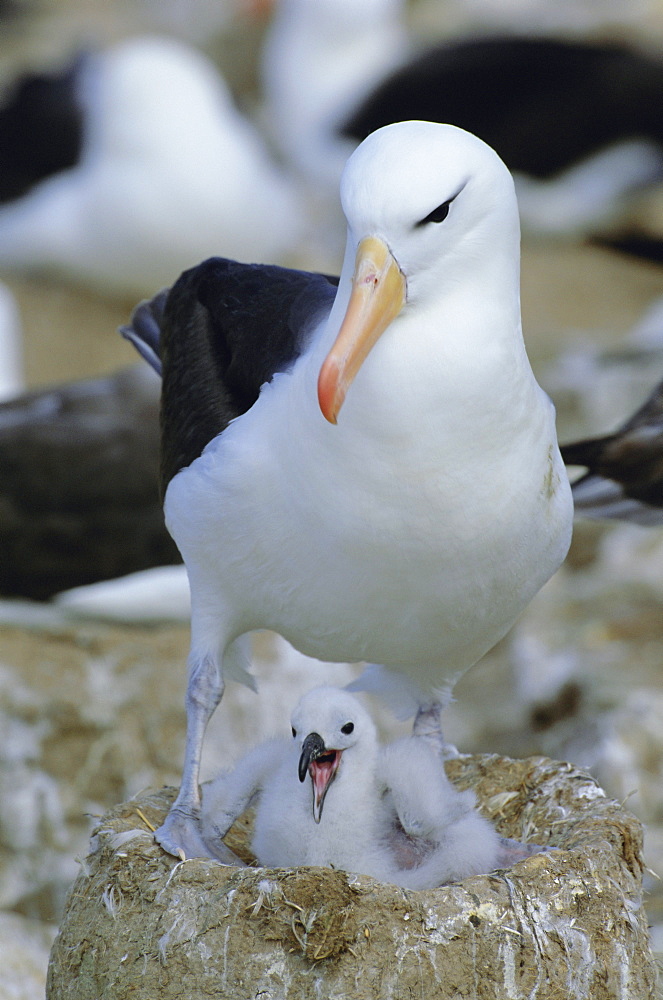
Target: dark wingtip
x=635, y=244
x=144, y=328
x=586, y=452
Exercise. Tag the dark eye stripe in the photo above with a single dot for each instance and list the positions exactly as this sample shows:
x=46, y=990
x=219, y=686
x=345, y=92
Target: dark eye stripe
x=438, y=214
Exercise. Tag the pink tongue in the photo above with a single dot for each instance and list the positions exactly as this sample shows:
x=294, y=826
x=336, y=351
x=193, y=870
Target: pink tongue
x=321, y=772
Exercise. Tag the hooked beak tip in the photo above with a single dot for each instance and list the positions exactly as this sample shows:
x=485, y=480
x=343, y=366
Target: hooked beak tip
x=330, y=392
x=378, y=295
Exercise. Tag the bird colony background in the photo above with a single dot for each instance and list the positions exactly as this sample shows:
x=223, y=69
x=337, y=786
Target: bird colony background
x=91, y=709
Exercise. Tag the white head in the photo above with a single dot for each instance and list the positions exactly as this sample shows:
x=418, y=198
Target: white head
x=403, y=174
x=333, y=731
x=146, y=89
x=430, y=208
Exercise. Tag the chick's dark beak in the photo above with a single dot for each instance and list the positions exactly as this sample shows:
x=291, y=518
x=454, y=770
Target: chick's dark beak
x=322, y=764
x=312, y=747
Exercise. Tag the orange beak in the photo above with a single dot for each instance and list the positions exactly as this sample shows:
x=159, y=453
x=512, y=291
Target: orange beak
x=258, y=10
x=377, y=297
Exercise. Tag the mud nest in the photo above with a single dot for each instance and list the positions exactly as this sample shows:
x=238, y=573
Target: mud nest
x=570, y=923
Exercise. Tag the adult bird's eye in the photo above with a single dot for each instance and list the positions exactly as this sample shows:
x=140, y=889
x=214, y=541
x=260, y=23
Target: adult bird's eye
x=347, y=728
x=438, y=214
x=294, y=731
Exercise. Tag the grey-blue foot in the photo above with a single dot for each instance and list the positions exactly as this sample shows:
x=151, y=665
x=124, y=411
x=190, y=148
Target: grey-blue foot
x=181, y=836
x=427, y=725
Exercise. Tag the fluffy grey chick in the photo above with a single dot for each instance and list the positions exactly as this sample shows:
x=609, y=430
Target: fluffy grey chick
x=332, y=796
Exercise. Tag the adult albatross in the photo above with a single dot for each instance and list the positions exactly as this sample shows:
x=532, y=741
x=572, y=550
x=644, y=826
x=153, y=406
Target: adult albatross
x=371, y=471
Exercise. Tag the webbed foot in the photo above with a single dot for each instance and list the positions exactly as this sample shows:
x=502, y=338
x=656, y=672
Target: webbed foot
x=181, y=836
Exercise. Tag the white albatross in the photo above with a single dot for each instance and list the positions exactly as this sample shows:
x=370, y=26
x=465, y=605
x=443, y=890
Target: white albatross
x=389, y=812
x=409, y=528
x=318, y=62
x=336, y=70
x=169, y=172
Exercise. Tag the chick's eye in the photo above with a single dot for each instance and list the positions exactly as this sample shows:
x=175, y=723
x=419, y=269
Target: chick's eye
x=347, y=728
x=294, y=731
x=438, y=214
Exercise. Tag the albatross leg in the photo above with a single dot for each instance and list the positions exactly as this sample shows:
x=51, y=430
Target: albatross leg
x=427, y=725
x=181, y=833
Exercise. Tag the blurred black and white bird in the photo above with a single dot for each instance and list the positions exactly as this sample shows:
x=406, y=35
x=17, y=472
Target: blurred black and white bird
x=624, y=469
x=169, y=171
x=578, y=123
x=41, y=128
x=318, y=60
x=79, y=484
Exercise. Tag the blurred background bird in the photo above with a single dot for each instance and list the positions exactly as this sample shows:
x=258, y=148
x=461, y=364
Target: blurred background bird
x=85, y=720
x=168, y=170
x=624, y=477
x=79, y=484
x=577, y=122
